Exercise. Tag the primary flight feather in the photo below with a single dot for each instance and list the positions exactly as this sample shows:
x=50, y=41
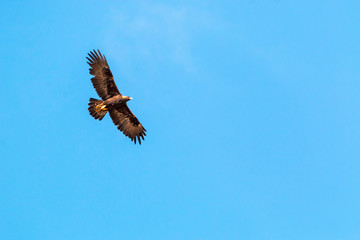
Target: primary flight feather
x=112, y=100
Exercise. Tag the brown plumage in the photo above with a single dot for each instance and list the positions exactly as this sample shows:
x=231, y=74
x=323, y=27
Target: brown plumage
x=112, y=100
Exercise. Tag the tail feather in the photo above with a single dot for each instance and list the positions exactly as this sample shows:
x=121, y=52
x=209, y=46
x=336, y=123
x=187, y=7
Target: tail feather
x=96, y=110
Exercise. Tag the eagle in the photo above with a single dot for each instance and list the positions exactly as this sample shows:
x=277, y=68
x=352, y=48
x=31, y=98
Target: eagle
x=112, y=100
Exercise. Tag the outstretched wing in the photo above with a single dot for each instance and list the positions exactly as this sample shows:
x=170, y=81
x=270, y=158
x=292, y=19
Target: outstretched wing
x=103, y=80
x=126, y=122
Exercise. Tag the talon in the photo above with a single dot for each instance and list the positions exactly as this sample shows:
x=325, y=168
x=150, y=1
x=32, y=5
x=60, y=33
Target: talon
x=101, y=107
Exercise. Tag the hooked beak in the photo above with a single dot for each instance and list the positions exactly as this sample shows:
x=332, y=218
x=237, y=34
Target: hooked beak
x=130, y=98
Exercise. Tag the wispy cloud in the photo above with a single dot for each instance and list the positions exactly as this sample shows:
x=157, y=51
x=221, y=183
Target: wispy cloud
x=155, y=33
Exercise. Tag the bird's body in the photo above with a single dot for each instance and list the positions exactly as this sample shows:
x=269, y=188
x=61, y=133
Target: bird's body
x=115, y=100
x=112, y=100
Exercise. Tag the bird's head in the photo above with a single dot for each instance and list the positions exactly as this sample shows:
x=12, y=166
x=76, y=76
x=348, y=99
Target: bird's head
x=126, y=98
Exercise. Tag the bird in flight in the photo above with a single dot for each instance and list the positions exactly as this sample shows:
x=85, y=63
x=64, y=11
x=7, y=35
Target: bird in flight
x=112, y=100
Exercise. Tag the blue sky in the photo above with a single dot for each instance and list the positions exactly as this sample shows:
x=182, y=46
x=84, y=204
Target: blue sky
x=252, y=111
